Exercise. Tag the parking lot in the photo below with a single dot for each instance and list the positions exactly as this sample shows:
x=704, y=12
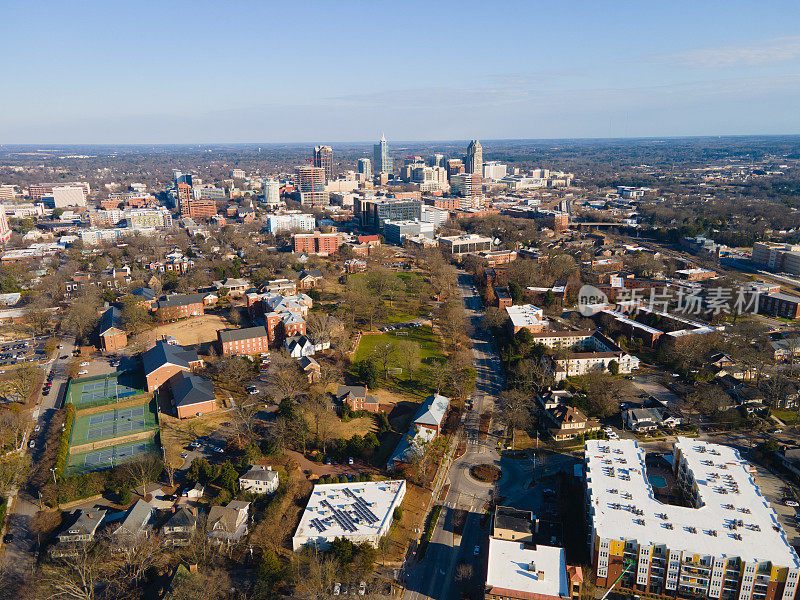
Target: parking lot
x=20, y=351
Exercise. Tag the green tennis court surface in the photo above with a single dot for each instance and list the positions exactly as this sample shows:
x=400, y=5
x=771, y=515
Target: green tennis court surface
x=110, y=457
x=113, y=423
x=103, y=389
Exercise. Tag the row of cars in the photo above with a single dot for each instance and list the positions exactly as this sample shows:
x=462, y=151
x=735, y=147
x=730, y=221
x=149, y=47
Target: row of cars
x=342, y=589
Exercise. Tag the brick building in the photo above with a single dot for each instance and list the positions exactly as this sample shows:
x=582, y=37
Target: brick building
x=179, y=306
x=322, y=244
x=247, y=341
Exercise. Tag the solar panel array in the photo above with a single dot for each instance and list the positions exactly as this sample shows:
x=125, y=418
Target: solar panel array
x=361, y=508
x=342, y=518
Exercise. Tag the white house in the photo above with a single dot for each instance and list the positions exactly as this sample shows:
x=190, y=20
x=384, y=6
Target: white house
x=259, y=480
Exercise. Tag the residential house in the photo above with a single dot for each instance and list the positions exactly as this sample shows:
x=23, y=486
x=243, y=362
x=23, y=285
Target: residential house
x=137, y=523
x=299, y=345
x=164, y=360
x=357, y=398
x=310, y=367
x=144, y=295
x=786, y=349
x=309, y=280
x=111, y=331
x=259, y=480
x=568, y=422
x=648, y=419
x=425, y=426
x=179, y=527
x=228, y=524
x=550, y=399
x=235, y=287
x=81, y=530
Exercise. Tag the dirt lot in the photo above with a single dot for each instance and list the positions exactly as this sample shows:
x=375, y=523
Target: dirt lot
x=199, y=331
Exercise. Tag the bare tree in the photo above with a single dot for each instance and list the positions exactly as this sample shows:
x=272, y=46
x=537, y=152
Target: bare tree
x=245, y=419
x=142, y=471
x=386, y=355
x=409, y=357
x=516, y=411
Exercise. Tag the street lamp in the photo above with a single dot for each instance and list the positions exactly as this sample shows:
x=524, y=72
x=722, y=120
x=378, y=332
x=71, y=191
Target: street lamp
x=53, y=471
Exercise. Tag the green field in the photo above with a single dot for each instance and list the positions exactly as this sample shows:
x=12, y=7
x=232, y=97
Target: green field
x=429, y=346
x=96, y=460
x=113, y=423
x=99, y=390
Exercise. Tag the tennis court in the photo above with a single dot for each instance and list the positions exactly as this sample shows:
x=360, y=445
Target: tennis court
x=113, y=423
x=110, y=457
x=104, y=389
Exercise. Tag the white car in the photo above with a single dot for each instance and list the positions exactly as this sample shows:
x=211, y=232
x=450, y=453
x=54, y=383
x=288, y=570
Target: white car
x=85, y=364
x=792, y=503
x=83, y=372
x=337, y=587
x=362, y=588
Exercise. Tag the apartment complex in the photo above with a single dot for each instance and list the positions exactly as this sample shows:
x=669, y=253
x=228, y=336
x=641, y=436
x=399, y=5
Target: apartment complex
x=372, y=213
x=777, y=257
x=526, y=316
x=723, y=542
x=280, y=223
x=779, y=305
x=310, y=182
x=318, y=243
x=467, y=185
x=588, y=351
x=198, y=208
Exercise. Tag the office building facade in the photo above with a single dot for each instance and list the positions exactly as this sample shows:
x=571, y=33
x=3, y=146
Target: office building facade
x=475, y=158
x=323, y=158
x=382, y=163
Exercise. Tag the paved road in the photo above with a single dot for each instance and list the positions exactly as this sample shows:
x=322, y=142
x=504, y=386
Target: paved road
x=18, y=556
x=434, y=576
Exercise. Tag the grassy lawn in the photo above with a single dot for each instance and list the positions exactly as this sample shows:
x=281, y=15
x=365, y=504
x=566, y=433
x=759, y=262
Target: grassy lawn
x=429, y=346
x=787, y=416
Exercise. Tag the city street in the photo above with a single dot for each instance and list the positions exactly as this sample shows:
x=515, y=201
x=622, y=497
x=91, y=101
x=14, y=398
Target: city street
x=434, y=576
x=18, y=557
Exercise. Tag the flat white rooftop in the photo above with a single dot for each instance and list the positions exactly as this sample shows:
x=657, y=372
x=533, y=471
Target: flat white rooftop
x=526, y=315
x=512, y=566
x=624, y=506
x=350, y=509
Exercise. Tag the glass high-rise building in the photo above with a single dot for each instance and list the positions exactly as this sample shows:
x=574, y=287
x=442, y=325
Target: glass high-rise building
x=365, y=168
x=323, y=157
x=382, y=162
x=475, y=158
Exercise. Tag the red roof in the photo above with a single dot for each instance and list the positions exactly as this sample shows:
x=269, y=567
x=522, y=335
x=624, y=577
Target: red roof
x=368, y=238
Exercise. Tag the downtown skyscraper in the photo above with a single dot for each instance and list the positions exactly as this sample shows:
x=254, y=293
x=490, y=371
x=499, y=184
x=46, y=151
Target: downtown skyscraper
x=382, y=163
x=475, y=158
x=323, y=157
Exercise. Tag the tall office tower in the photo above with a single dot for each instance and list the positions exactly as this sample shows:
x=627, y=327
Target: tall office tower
x=180, y=177
x=272, y=192
x=436, y=160
x=382, y=162
x=311, y=185
x=5, y=230
x=475, y=158
x=365, y=168
x=323, y=158
x=455, y=166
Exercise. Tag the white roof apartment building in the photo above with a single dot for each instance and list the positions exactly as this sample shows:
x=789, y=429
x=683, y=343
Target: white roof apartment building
x=727, y=543
x=359, y=512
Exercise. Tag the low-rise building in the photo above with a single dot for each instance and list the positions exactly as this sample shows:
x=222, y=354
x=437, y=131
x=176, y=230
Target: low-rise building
x=228, y=524
x=357, y=398
x=179, y=527
x=164, y=360
x=192, y=395
x=358, y=512
x=520, y=571
x=526, y=316
x=111, y=331
x=179, y=306
x=247, y=341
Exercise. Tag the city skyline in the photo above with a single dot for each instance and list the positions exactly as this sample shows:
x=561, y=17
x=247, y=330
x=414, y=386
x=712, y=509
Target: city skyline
x=647, y=71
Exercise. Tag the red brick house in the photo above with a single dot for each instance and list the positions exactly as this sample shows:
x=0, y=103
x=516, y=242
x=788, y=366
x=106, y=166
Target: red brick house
x=110, y=330
x=357, y=398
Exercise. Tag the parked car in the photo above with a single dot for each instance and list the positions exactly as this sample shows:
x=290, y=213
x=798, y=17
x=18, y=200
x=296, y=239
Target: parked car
x=337, y=588
x=792, y=503
x=350, y=461
x=362, y=588
x=83, y=372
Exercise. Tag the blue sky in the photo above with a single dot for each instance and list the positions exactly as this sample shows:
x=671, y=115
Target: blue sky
x=305, y=71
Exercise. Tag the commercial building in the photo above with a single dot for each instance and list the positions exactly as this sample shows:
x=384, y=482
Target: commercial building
x=695, y=274
x=436, y=216
x=382, y=162
x=467, y=185
x=358, y=512
x=521, y=571
x=458, y=245
x=526, y=316
x=494, y=170
x=323, y=158
x=395, y=232
x=322, y=244
x=243, y=342
x=198, y=208
x=777, y=257
x=294, y=221
x=209, y=192
x=37, y=191
x=474, y=163
x=310, y=182
x=372, y=213
x=365, y=168
x=722, y=540
x=64, y=196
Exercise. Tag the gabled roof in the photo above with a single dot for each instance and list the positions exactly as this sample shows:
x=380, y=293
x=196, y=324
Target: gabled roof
x=237, y=335
x=145, y=293
x=259, y=473
x=86, y=522
x=314, y=273
x=297, y=340
x=432, y=410
x=188, y=389
x=111, y=319
x=357, y=391
x=306, y=363
x=137, y=518
x=183, y=518
x=167, y=354
x=180, y=300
